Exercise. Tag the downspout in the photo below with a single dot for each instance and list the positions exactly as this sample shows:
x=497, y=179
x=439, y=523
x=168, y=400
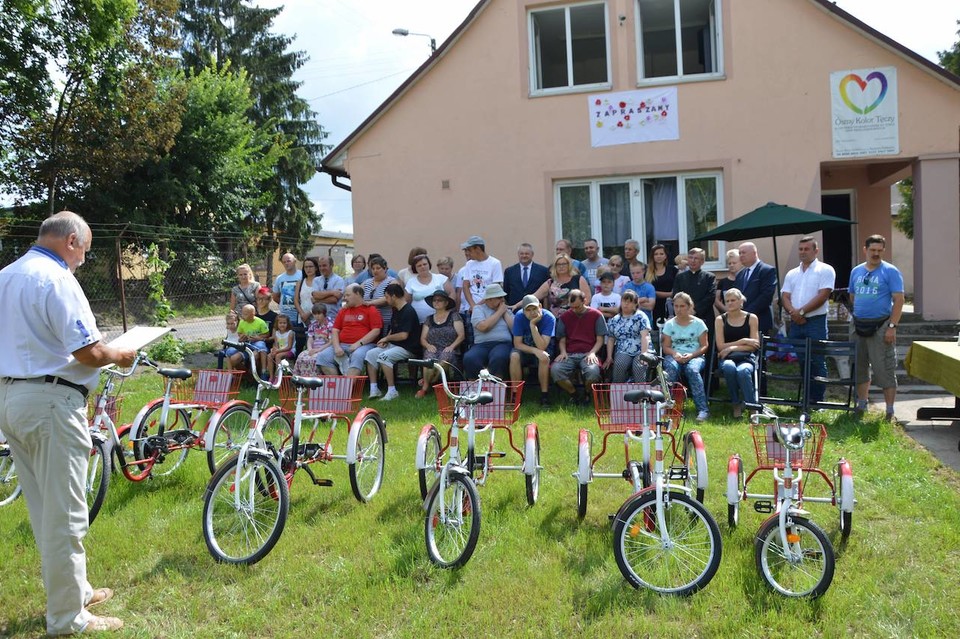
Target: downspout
x=334, y=177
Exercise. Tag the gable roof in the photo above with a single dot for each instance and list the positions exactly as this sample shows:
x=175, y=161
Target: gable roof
x=332, y=163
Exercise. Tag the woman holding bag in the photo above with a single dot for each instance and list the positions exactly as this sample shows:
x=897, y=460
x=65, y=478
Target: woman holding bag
x=738, y=340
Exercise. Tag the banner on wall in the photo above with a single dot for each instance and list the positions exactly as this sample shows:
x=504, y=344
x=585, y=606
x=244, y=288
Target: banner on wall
x=627, y=117
x=864, y=112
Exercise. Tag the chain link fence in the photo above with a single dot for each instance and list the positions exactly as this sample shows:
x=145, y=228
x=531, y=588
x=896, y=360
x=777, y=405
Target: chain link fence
x=116, y=276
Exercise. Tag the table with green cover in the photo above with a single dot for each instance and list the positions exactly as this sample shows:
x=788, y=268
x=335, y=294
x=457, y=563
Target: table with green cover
x=937, y=363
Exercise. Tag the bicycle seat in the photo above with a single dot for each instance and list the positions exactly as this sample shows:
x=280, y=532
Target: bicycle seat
x=176, y=373
x=645, y=395
x=650, y=359
x=484, y=398
x=306, y=382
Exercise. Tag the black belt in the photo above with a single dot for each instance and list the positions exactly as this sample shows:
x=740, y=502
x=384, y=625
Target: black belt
x=50, y=379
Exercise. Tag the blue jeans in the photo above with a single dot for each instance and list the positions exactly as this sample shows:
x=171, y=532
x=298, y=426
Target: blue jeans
x=694, y=380
x=739, y=380
x=816, y=329
x=494, y=356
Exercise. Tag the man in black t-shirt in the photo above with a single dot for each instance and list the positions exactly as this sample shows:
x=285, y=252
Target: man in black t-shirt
x=400, y=344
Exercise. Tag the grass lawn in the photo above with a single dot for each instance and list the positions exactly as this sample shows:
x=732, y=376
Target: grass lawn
x=346, y=569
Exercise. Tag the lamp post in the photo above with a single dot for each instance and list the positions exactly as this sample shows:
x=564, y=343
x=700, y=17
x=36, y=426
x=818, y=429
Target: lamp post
x=406, y=32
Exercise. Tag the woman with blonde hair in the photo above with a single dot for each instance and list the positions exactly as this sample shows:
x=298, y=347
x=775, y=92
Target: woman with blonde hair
x=564, y=277
x=245, y=290
x=726, y=283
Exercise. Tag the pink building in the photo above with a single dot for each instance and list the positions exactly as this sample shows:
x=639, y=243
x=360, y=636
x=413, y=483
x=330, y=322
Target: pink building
x=658, y=120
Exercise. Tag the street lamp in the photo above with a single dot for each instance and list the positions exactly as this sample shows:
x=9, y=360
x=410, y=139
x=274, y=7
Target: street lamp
x=406, y=32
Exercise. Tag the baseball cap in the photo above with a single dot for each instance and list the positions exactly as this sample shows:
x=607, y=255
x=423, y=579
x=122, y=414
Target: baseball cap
x=529, y=300
x=473, y=240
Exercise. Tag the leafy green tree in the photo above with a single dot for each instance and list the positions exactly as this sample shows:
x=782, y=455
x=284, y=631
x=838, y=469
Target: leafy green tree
x=220, y=32
x=949, y=60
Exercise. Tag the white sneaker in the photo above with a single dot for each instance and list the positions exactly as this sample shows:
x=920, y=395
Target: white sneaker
x=391, y=394
x=703, y=416
x=375, y=393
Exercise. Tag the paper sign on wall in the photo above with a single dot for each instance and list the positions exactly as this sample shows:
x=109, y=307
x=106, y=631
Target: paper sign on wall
x=864, y=112
x=627, y=117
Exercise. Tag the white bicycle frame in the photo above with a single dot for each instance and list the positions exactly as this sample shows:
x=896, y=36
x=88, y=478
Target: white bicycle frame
x=454, y=463
x=788, y=493
x=100, y=414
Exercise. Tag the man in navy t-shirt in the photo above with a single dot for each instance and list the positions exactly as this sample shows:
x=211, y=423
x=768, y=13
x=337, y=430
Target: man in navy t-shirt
x=533, y=330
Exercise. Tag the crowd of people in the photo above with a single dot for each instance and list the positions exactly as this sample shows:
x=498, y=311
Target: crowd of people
x=571, y=321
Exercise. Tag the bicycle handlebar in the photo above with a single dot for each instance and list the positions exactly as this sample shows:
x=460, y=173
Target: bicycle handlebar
x=284, y=365
x=484, y=376
x=141, y=358
x=792, y=437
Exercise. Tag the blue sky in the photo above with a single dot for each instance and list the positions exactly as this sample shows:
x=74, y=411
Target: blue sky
x=356, y=62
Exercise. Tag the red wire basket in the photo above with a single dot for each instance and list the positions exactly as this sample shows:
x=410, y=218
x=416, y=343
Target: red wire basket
x=213, y=387
x=771, y=453
x=503, y=411
x=339, y=394
x=617, y=415
x=112, y=409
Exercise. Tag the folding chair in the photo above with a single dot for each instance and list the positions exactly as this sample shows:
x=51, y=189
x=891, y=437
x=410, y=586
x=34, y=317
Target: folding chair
x=786, y=375
x=845, y=378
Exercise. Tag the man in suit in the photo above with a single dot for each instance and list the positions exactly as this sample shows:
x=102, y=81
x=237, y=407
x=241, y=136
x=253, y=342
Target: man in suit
x=525, y=278
x=758, y=282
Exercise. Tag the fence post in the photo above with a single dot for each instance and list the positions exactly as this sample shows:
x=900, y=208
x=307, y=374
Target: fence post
x=123, y=297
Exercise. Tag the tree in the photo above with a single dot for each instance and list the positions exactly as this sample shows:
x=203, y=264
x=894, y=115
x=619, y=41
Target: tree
x=949, y=60
x=220, y=32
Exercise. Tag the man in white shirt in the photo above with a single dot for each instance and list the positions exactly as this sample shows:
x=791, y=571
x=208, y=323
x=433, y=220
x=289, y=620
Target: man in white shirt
x=50, y=360
x=481, y=270
x=805, y=292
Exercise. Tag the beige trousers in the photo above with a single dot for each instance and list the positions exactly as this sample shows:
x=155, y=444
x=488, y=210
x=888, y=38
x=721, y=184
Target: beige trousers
x=46, y=427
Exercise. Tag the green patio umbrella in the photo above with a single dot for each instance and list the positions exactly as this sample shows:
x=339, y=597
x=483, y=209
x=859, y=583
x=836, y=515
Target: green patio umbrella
x=773, y=220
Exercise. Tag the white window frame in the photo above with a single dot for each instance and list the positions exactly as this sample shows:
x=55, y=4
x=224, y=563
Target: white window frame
x=717, y=27
x=637, y=214
x=534, y=52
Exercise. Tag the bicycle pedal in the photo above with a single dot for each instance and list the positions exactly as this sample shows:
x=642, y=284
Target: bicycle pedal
x=479, y=460
x=678, y=473
x=322, y=482
x=496, y=455
x=765, y=507
x=180, y=437
x=309, y=451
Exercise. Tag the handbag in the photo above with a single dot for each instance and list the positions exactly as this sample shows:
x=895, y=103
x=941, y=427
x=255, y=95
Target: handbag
x=868, y=328
x=739, y=357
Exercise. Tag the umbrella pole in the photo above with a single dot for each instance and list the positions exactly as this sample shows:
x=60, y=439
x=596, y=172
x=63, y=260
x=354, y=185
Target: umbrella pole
x=776, y=264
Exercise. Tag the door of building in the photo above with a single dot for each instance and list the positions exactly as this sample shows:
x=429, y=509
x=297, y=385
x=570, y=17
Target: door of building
x=838, y=250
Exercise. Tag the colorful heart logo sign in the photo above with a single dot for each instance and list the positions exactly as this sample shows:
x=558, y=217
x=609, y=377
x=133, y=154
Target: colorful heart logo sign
x=854, y=78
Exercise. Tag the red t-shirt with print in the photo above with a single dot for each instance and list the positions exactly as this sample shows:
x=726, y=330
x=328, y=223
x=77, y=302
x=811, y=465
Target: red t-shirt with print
x=353, y=322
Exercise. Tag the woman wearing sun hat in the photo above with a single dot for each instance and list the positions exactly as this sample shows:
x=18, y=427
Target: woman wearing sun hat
x=492, y=335
x=441, y=336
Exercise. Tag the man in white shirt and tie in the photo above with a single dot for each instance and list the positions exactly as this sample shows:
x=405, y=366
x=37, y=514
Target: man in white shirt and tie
x=526, y=277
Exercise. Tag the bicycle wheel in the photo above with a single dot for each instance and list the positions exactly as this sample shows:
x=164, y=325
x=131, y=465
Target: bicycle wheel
x=679, y=559
x=845, y=500
x=125, y=453
x=584, y=468
x=245, y=509
x=178, y=419
x=695, y=459
x=428, y=450
x=531, y=462
x=228, y=435
x=98, y=478
x=9, y=484
x=810, y=571
x=277, y=429
x=734, y=490
x=452, y=535
x=367, y=439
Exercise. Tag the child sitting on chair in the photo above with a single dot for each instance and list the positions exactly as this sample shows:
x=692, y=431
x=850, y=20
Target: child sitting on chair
x=318, y=340
x=282, y=343
x=253, y=331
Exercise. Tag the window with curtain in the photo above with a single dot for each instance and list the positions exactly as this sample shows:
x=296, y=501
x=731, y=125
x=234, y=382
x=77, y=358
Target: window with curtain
x=664, y=209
